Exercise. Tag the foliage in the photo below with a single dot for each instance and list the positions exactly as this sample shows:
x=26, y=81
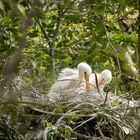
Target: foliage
x=62, y=34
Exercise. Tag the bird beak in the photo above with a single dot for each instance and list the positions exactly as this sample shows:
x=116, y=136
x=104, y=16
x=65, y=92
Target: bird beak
x=101, y=82
x=87, y=82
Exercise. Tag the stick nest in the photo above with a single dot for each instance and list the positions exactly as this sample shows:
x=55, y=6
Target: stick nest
x=100, y=116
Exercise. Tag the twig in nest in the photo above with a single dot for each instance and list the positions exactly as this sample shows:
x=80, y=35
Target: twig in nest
x=59, y=114
x=97, y=86
x=75, y=80
x=100, y=132
x=105, y=97
x=79, y=135
x=80, y=81
x=85, y=121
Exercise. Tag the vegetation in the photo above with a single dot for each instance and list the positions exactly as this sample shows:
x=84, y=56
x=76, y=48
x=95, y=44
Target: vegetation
x=41, y=37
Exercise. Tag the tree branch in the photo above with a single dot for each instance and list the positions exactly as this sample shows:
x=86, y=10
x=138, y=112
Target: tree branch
x=12, y=61
x=138, y=45
x=44, y=32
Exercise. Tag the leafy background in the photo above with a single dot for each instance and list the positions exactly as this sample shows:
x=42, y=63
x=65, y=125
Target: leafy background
x=104, y=33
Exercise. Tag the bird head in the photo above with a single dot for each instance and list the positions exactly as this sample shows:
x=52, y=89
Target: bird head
x=105, y=77
x=84, y=71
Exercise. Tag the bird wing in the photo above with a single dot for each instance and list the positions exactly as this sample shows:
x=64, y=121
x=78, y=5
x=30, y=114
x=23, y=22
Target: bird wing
x=67, y=72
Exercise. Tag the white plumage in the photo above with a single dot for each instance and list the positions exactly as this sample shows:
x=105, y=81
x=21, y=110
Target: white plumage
x=70, y=82
x=102, y=79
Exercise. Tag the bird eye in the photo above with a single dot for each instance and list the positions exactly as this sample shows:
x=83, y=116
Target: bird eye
x=85, y=73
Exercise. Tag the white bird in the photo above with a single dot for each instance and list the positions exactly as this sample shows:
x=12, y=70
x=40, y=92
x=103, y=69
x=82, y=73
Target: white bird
x=102, y=79
x=70, y=81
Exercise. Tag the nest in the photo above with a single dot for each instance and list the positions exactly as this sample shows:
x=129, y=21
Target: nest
x=80, y=116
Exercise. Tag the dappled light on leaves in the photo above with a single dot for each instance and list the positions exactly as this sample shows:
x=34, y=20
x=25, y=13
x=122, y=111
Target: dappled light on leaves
x=39, y=39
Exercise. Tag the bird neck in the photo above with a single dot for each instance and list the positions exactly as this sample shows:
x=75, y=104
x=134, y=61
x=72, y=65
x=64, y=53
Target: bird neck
x=80, y=75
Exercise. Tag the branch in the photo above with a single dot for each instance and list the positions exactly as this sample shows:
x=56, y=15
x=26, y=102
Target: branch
x=58, y=24
x=12, y=61
x=138, y=45
x=44, y=32
x=94, y=116
x=97, y=85
x=138, y=48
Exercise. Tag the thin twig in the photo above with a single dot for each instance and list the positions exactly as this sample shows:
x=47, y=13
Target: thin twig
x=106, y=97
x=85, y=121
x=76, y=80
x=97, y=85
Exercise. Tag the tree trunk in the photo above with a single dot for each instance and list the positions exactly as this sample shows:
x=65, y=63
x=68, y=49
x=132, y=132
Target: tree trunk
x=10, y=66
x=138, y=46
x=52, y=60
